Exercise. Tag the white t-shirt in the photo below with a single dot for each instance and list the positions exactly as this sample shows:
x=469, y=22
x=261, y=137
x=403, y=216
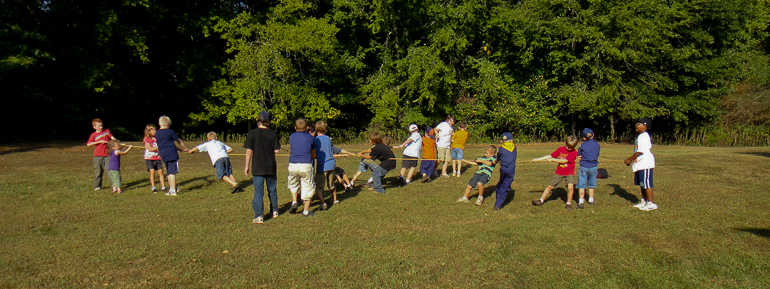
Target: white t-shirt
x=412, y=149
x=216, y=149
x=444, y=138
x=646, y=160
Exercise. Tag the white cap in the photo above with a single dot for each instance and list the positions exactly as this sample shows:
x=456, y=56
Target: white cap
x=413, y=127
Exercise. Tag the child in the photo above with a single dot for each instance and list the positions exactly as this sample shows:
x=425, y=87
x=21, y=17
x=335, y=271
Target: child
x=325, y=164
x=152, y=158
x=458, y=147
x=565, y=170
x=428, y=164
x=506, y=157
x=262, y=143
x=218, y=153
x=114, y=169
x=98, y=140
x=643, y=162
x=443, y=141
x=411, y=154
x=339, y=173
x=300, y=178
x=384, y=154
x=588, y=154
x=482, y=176
x=167, y=139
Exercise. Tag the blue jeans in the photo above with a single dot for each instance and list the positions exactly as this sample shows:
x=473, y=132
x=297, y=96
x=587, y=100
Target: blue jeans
x=259, y=193
x=587, y=176
x=377, y=174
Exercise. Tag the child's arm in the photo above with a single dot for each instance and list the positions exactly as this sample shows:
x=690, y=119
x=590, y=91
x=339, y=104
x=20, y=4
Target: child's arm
x=363, y=156
x=150, y=148
x=632, y=158
x=96, y=143
x=229, y=150
x=486, y=162
x=470, y=162
x=195, y=149
x=181, y=143
x=125, y=151
x=550, y=159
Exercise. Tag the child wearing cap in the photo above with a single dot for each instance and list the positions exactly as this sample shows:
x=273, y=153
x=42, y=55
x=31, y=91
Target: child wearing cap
x=642, y=162
x=506, y=157
x=588, y=154
x=411, y=154
x=428, y=163
x=458, y=148
x=565, y=170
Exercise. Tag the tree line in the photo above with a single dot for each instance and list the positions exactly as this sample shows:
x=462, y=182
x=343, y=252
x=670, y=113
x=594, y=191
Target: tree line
x=538, y=68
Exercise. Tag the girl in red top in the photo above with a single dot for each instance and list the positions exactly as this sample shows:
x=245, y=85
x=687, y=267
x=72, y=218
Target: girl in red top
x=152, y=158
x=565, y=170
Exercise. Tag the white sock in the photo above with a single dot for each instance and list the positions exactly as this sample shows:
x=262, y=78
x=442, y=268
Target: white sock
x=370, y=180
x=305, y=212
x=581, y=201
x=590, y=200
x=569, y=203
x=293, y=202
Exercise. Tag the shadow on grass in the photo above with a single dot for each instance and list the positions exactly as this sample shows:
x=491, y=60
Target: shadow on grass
x=619, y=191
x=761, y=154
x=756, y=231
x=198, y=186
x=33, y=147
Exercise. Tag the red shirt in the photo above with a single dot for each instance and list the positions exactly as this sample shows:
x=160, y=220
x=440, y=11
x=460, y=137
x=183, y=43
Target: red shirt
x=100, y=150
x=562, y=153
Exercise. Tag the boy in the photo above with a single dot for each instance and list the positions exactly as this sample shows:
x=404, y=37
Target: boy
x=458, y=148
x=325, y=164
x=443, y=141
x=506, y=157
x=302, y=144
x=565, y=170
x=166, y=138
x=588, y=154
x=482, y=176
x=98, y=140
x=114, y=169
x=339, y=173
x=428, y=164
x=219, y=159
x=384, y=154
x=643, y=162
x=262, y=143
x=411, y=154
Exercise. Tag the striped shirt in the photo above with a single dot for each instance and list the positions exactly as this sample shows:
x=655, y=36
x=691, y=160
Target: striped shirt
x=485, y=169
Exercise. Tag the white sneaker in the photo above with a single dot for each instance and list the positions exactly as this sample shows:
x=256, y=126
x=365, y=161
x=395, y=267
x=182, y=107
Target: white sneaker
x=479, y=201
x=463, y=200
x=171, y=193
x=640, y=204
x=275, y=214
x=649, y=207
x=258, y=220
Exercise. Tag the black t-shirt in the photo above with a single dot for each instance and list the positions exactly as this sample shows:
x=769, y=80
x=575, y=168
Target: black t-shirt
x=263, y=142
x=384, y=154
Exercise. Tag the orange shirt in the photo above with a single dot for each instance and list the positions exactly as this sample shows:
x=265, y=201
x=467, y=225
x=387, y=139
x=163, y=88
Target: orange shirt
x=428, y=148
x=459, y=138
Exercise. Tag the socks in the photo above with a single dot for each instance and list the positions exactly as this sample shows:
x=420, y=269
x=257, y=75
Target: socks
x=590, y=200
x=581, y=201
x=305, y=212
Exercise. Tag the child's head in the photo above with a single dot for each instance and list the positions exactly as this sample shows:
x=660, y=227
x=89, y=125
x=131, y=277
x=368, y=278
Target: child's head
x=375, y=138
x=490, y=151
x=300, y=125
x=114, y=144
x=587, y=134
x=320, y=127
x=429, y=132
x=211, y=135
x=450, y=118
x=571, y=142
x=264, y=117
x=413, y=128
x=386, y=140
x=506, y=137
x=149, y=130
x=463, y=125
x=97, y=124
x=643, y=124
x=164, y=121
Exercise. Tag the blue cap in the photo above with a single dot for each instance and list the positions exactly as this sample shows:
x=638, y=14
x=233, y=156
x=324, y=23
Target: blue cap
x=507, y=136
x=265, y=116
x=587, y=131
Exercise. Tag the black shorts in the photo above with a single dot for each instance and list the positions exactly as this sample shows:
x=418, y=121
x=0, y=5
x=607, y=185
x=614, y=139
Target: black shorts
x=153, y=165
x=478, y=178
x=409, y=162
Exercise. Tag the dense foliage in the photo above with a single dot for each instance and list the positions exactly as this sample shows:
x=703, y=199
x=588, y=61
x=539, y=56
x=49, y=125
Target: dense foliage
x=539, y=68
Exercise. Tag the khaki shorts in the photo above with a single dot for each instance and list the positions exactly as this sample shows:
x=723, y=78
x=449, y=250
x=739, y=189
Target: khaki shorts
x=327, y=178
x=443, y=154
x=301, y=180
x=556, y=179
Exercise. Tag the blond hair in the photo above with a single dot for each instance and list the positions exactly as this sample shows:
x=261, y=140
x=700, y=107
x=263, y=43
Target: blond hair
x=320, y=127
x=114, y=144
x=571, y=142
x=147, y=129
x=164, y=121
x=300, y=125
x=492, y=149
x=211, y=135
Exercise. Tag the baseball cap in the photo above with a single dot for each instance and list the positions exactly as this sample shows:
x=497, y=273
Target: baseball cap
x=413, y=127
x=645, y=121
x=586, y=131
x=265, y=116
x=507, y=136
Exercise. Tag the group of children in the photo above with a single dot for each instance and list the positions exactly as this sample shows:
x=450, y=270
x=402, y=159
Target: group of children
x=312, y=165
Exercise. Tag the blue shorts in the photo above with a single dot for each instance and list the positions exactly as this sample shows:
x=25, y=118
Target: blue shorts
x=457, y=154
x=223, y=168
x=587, y=176
x=172, y=167
x=643, y=178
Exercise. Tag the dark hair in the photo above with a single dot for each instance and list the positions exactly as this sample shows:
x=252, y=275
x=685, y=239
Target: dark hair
x=463, y=124
x=450, y=117
x=375, y=137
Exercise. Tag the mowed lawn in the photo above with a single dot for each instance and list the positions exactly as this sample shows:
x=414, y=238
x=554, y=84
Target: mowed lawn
x=712, y=228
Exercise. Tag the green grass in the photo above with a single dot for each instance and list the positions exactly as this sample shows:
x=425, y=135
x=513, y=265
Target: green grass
x=712, y=229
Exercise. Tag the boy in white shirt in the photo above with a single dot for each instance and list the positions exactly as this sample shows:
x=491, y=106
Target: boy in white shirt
x=642, y=162
x=444, y=133
x=412, y=147
x=218, y=152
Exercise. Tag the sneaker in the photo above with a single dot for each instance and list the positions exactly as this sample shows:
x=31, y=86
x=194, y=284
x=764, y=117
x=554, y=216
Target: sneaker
x=348, y=188
x=258, y=220
x=537, y=203
x=591, y=203
x=336, y=202
x=640, y=204
x=97, y=188
x=462, y=200
x=402, y=180
x=479, y=201
x=154, y=190
x=236, y=189
x=581, y=206
x=309, y=214
x=457, y=174
x=324, y=207
x=162, y=188
x=293, y=208
x=649, y=207
x=445, y=175
x=408, y=182
x=425, y=179
x=275, y=214
x=496, y=209
x=568, y=207
x=171, y=193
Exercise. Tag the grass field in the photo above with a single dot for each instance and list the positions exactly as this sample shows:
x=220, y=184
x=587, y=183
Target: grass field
x=712, y=228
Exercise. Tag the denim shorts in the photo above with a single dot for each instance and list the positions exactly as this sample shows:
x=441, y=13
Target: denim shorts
x=478, y=178
x=361, y=166
x=587, y=175
x=457, y=154
x=223, y=167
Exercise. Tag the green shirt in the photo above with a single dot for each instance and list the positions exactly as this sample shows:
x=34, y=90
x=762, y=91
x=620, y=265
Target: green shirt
x=485, y=169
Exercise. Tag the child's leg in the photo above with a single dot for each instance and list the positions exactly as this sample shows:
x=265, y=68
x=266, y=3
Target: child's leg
x=409, y=176
x=172, y=183
x=591, y=193
x=570, y=191
x=347, y=182
x=230, y=180
x=152, y=178
x=546, y=193
x=358, y=173
x=582, y=193
x=647, y=194
x=160, y=176
x=481, y=189
x=403, y=171
x=467, y=191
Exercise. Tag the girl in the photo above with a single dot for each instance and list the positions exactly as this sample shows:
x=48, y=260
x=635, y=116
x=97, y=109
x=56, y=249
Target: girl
x=114, y=167
x=151, y=157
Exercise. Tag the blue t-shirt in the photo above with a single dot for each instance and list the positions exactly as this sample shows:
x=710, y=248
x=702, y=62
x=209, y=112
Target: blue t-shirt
x=589, y=153
x=165, y=139
x=323, y=154
x=506, y=155
x=301, y=144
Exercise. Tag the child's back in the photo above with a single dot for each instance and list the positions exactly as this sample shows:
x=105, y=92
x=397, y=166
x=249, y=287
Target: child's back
x=216, y=149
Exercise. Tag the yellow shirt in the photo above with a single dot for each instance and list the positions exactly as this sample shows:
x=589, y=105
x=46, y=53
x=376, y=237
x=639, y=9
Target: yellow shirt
x=459, y=138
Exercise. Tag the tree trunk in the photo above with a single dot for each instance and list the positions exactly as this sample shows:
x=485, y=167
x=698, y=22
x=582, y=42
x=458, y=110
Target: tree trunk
x=612, y=128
